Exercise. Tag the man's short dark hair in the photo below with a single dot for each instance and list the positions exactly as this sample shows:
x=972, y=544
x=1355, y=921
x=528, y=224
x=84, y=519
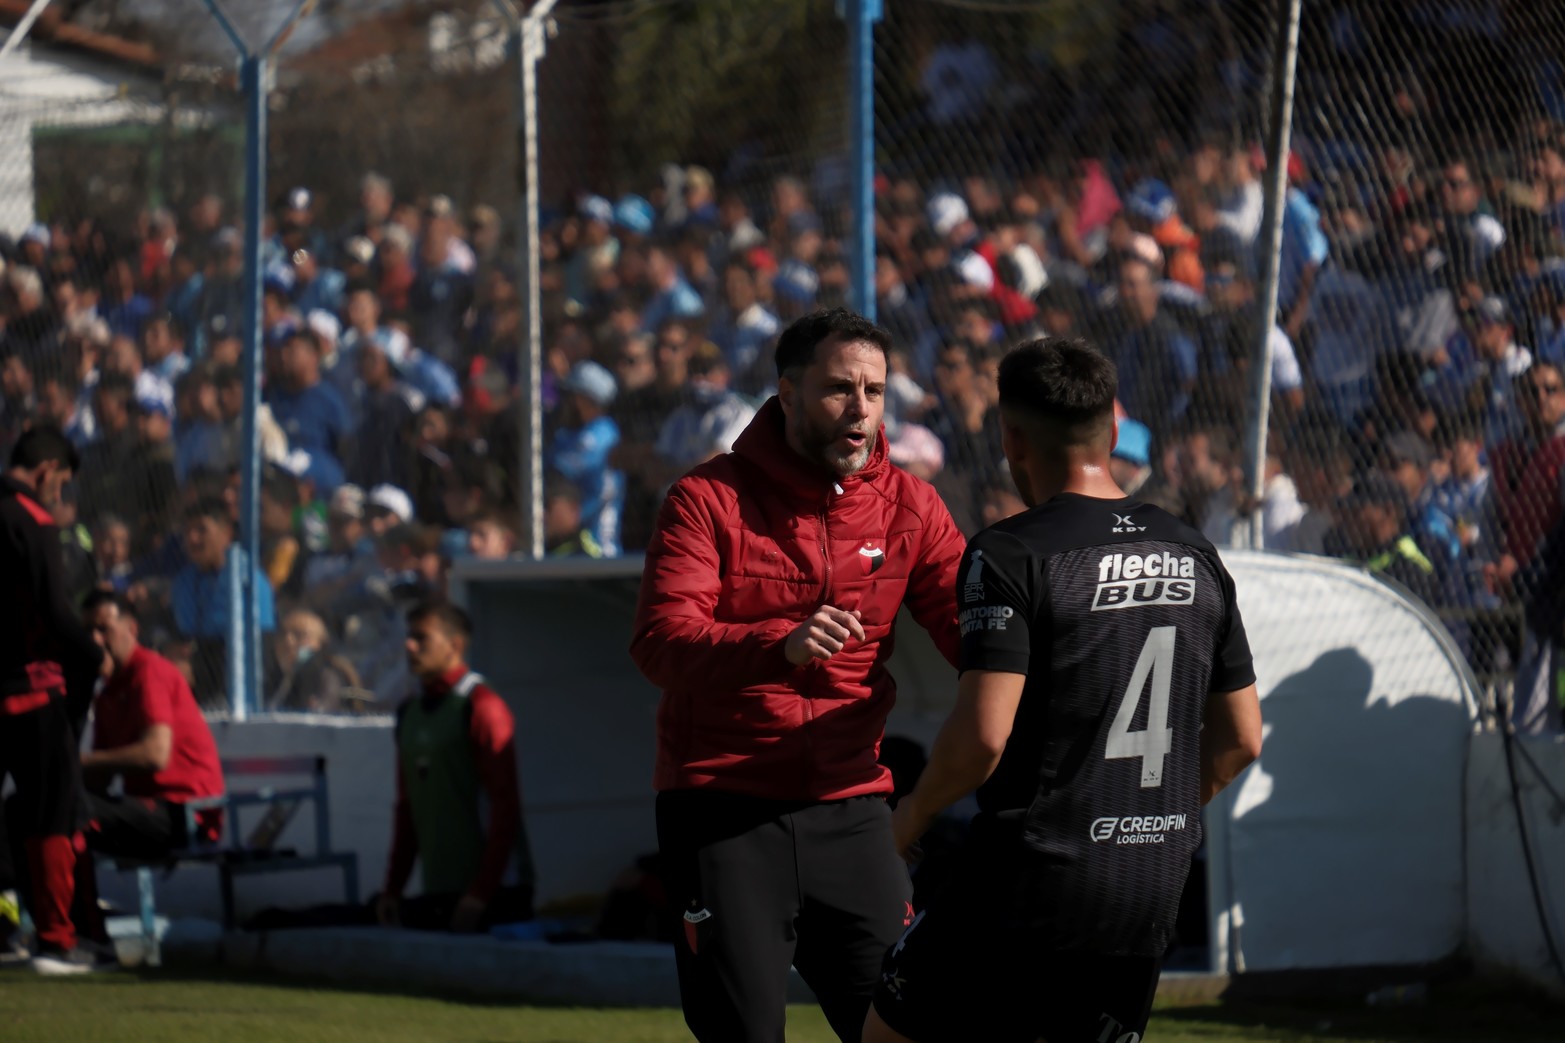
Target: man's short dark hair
x=210, y=507
x=43, y=444
x=448, y=615
x=1064, y=383
x=99, y=598
x=796, y=347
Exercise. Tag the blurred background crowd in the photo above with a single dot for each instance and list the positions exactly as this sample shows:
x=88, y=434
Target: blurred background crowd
x=1418, y=405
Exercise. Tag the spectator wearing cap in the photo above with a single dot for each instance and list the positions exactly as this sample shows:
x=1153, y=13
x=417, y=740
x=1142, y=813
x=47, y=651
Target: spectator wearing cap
x=672, y=296
x=311, y=412
x=712, y=417
x=596, y=251
x=1228, y=335
x=349, y=555
x=1131, y=461
x=1492, y=384
x=582, y=448
x=199, y=595
x=634, y=217
x=296, y=230
x=386, y=507
x=743, y=328
x=951, y=222
x=1152, y=210
x=1374, y=533
x=316, y=287
x=1406, y=457
x=1157, y=361
x=220, y=308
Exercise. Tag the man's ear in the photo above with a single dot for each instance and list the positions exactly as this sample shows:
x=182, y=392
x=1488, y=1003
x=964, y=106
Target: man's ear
x=786, y=389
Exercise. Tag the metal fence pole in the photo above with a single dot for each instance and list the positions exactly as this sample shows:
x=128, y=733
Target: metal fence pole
x=244, y=663
x=244, y=597
x=1285, y=58
x=861, y=16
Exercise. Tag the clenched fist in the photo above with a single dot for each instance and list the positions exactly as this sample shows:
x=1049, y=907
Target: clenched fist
x=823, y=635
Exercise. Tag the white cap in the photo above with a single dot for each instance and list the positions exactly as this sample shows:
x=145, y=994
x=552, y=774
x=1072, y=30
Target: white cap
x=946, y=211
x=390, y=498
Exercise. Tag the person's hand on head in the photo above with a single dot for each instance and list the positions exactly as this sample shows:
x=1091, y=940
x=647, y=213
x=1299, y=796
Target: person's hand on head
x=823, y=635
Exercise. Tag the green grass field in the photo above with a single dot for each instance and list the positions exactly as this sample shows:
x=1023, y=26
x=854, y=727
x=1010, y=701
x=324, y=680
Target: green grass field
x=176, y=1007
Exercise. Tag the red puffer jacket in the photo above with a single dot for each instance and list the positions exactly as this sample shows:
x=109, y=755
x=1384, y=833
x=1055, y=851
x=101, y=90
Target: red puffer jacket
x=750, y=545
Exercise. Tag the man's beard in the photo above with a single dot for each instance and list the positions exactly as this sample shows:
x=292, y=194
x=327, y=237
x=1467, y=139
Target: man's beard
x=820, y=443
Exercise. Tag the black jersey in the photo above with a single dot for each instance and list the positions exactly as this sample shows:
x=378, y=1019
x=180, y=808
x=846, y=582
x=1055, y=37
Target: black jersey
x=1124, y=620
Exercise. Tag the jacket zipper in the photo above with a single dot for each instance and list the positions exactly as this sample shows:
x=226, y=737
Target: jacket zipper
x=809, y=703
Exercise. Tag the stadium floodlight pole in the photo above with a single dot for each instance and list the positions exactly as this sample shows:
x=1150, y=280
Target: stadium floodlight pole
x=244, y=600
x=861, y=16
x=1285, y=58
x=530, y=35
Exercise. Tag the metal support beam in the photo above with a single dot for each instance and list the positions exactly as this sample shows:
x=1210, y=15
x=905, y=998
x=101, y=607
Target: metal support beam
x=25, y=26
x=530, y=38
x=1285, y=57
x=861, y=16
x=244, y=599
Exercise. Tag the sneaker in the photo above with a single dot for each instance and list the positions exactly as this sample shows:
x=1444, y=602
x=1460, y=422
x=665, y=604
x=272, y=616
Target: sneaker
x=80, y=960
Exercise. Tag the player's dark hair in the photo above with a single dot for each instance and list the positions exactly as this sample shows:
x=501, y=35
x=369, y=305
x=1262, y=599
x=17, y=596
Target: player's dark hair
x=796, y=347
x=42, y=444
x=98, y=598
x=449, y=616
x=1064, y=383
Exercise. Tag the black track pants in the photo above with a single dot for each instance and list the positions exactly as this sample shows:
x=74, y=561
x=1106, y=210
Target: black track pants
x=760, y=885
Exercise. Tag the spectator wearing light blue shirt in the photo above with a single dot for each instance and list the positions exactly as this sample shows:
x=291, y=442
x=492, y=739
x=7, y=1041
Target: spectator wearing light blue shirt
x=673, y=297
x=1304, y=251
x=743, y=327
x=199, y=595
x=581, y=449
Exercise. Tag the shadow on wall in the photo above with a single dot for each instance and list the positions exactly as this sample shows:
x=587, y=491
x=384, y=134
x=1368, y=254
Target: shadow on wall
x=1346, y=840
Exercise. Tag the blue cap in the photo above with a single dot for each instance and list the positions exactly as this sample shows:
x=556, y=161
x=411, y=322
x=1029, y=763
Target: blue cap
x=796, y=281
x=634, y=214
x=592, y=380
x=802, y=221
x=1151, y=200
x=1135, y=443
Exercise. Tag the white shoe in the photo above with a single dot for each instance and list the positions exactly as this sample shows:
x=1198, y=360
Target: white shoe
x=84, y=959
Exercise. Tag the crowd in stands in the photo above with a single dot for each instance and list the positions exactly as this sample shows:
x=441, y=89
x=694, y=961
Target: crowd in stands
x=1418, y=422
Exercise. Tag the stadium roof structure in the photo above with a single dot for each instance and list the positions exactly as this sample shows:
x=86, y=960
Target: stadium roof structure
x=56, y=30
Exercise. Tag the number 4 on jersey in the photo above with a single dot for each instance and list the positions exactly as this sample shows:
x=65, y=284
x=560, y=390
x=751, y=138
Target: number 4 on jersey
x=1157, y=740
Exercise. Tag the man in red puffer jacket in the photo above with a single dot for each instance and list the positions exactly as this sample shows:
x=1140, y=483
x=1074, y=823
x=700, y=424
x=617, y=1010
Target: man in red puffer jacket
x=768, y=601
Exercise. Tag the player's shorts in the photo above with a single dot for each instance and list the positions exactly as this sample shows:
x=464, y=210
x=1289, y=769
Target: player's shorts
x=962, y=973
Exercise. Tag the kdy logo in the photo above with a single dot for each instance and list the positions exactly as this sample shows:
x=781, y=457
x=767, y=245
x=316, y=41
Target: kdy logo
x=1124, y=523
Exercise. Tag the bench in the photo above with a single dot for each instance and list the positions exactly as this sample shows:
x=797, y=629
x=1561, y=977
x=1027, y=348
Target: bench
x=247, y=855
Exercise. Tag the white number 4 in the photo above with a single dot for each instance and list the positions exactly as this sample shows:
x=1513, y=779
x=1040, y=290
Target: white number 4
x=1153, y=744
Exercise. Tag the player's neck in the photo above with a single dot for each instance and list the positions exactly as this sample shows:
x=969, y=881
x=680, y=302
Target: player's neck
x=1088, y=477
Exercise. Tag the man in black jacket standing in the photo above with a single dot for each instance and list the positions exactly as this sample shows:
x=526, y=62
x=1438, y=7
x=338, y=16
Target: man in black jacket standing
x=48, y=664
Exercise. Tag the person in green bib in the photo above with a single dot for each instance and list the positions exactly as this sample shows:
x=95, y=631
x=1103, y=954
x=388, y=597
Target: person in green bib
x=456, y=755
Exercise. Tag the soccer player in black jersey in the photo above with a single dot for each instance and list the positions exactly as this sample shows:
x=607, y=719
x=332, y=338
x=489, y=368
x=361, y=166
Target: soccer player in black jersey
x=1106, y=694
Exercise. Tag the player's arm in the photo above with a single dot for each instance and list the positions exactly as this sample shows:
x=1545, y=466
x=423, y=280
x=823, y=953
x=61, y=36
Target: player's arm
x=492, y=733
x=965, y=753
x=1230, y=738
x=148, y=754
x=676, y=630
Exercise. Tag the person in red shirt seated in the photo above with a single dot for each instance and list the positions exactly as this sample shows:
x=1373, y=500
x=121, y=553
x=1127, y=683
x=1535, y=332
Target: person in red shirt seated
x=148, y=731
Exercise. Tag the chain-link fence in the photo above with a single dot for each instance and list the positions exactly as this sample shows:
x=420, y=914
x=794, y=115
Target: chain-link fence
x=1041, y=166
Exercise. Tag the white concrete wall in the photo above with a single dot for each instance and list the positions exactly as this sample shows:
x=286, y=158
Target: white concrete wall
x=1504, y=928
